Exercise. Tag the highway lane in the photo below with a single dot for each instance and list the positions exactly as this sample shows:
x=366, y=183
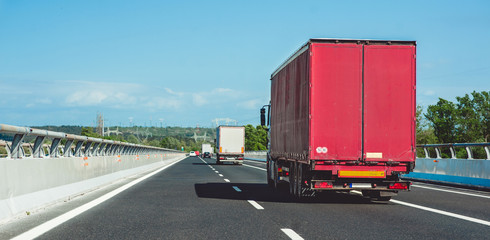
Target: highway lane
x=350, y=216
x=196, y=199
x=171, y=205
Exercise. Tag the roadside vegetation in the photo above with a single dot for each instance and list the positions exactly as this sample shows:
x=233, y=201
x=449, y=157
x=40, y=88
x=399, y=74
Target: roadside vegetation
x=465, y=121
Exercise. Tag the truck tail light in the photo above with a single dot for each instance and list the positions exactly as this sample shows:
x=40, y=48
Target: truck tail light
x=240, y=158
x=403, y=186
x=323, y=185
x=221, y=158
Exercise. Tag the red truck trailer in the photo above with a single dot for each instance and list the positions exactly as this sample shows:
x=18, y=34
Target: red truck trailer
x=342, y=118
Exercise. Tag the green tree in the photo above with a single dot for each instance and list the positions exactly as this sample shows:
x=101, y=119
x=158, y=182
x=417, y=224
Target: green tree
x=443, y=118
x=425, y=132
x=481, y=103
x=89, y=132
x=469, y=125
x=132, y=139
x=255, y=138
x=171, y=143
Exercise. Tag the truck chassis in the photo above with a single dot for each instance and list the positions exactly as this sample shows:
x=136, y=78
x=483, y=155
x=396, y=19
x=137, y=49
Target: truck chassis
x=303, y=181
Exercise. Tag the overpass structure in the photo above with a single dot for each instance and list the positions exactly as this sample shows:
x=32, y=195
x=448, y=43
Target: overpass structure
x=57, y=166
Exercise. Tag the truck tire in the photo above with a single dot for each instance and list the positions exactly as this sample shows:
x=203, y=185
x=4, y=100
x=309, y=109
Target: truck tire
x=299, y=180
x=292, y=181
x=276, y=176
x=270, y=183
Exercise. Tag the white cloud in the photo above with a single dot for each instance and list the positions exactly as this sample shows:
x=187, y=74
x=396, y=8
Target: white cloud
x=429, y=93
x=199, y=100
x=170, y=91
x=44, y=101
x=102, y=94
x=163, y=103
x=222, y=90
x=250, y=104
x=86, y=98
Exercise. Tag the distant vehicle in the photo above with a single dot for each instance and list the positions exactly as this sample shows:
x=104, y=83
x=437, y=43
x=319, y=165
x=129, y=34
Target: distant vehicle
x=206, y=147
x=206, y=155
x=197, y=153
x=192, y=154
x=230, y=144
x=342, y=118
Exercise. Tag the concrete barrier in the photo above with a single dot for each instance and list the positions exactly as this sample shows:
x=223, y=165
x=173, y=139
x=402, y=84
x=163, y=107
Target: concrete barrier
x=31, y=183
x=465, y=172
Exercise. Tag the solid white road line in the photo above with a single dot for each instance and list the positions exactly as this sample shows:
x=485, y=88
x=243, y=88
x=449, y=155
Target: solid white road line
x=254, y=161
x=237, y=189
x=255, y=204
x=226, y=180
x=45, y=227
x=291, y=234
x=263, y=169
x=451, y=191
x=475, y=220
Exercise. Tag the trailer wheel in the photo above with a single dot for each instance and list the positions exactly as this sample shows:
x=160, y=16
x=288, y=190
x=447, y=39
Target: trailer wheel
x=292, y=182
x=276, y=176
x=299, y=180
x=269, y=179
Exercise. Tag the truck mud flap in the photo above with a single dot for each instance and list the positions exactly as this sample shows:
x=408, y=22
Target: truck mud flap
x=307, y=192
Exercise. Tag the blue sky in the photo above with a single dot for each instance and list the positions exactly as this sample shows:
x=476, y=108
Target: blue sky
x=185, y=63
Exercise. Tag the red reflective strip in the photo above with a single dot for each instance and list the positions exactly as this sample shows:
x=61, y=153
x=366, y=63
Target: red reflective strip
x=323, y=185
x=398, y=186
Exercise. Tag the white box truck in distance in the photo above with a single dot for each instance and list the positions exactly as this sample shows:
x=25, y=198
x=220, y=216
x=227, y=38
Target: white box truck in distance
x=230, y=144
x=206, y=147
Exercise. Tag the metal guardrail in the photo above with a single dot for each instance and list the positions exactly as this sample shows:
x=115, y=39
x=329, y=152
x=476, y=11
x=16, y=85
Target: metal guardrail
x=452, y=146
x=75, y=145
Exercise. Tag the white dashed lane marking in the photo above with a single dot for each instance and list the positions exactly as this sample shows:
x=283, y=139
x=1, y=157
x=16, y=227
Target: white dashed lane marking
x=255, y=204
x=291, y=234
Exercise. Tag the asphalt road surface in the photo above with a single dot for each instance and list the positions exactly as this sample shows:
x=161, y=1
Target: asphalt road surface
x=196, y=199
